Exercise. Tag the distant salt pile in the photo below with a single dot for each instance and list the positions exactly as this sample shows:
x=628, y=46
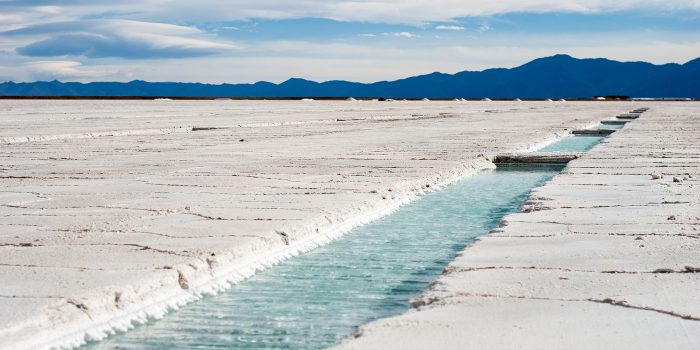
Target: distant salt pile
x=562, y=100
x=487, y=99
x=163, y=99
x=307, y=99
x=600, y=98
x=518, y=100
x=548, y=100
x=457, y=100
x=351, y=99
x=425, y=99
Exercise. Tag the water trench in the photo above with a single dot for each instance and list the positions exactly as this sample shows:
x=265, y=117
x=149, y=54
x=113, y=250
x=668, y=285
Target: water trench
x=315, y=300
x=573, y=144
x=610, y=126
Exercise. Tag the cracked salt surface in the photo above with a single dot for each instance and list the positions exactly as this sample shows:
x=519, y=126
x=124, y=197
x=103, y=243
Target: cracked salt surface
x=314, y=300
x=98, y=213
x=605, y=259
x=370, y=273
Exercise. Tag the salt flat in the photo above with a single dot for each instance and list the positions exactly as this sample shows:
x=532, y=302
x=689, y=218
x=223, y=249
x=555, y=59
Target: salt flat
x=116, y=210
x=604, y=256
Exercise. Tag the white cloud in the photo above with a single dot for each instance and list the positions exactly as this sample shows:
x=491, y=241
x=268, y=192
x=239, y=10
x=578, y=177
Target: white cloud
x=49, y=10
x=13, y=18
x=444, y=27
x=407, y=35
x=396, y=11
x=62, y=37
x=65, y=70
x=365, y=63
x=484, y=28
x=386, y=11
x=368, y=64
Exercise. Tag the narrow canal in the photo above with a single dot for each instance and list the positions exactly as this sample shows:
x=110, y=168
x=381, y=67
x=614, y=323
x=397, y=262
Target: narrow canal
x=314, y=300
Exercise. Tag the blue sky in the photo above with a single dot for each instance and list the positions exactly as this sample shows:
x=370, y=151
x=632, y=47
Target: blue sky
x=246, y=41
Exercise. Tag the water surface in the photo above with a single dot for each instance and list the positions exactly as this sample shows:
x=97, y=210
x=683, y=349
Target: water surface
x=610, y=126
x=573, y=144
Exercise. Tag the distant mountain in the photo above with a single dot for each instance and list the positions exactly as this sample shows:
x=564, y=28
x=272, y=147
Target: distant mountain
x=549, y=77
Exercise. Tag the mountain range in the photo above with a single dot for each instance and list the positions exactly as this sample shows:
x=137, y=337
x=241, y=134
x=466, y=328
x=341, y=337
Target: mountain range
x=559, y=76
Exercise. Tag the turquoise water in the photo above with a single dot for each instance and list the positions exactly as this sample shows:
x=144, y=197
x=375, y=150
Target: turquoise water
x=573, y=144
x=610, y=126
x=314, y=300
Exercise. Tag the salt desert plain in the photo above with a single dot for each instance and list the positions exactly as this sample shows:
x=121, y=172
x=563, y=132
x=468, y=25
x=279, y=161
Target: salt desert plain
x=114, y=211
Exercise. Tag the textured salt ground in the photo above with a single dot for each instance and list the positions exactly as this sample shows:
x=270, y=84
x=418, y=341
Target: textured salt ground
x=605, y=256
x=116, y=210
x=315, y=300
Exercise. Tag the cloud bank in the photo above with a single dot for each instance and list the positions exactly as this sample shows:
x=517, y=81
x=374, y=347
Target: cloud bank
x=116, y=38
x=384, y=11
x=240, y=40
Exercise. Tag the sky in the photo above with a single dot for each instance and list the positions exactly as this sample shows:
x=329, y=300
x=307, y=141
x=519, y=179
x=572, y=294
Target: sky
x=243, y=41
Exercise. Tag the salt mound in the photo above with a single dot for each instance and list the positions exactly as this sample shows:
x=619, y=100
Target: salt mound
x=307, y=99
x=351, y=99
x=562, y=100
x=518, y=100
x=456, y=99
x=425, y=99
x=163, y=99
x=548, y=100
x=486, y=99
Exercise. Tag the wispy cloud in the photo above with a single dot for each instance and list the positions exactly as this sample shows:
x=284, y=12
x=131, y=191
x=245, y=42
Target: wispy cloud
x=484, y=28
x=407, y=35
x=65, y=70
x=444, y=27
x=386, y=11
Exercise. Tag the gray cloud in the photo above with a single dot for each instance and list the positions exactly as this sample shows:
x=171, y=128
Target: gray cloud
x=97, y=46
x=116, y=38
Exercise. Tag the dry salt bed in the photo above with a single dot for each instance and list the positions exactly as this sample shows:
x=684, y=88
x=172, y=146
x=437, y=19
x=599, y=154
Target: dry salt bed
x=604, y=256
x=116, y=211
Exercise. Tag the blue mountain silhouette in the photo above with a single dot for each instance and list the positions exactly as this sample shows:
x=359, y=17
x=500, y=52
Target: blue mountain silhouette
x=558, y=76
